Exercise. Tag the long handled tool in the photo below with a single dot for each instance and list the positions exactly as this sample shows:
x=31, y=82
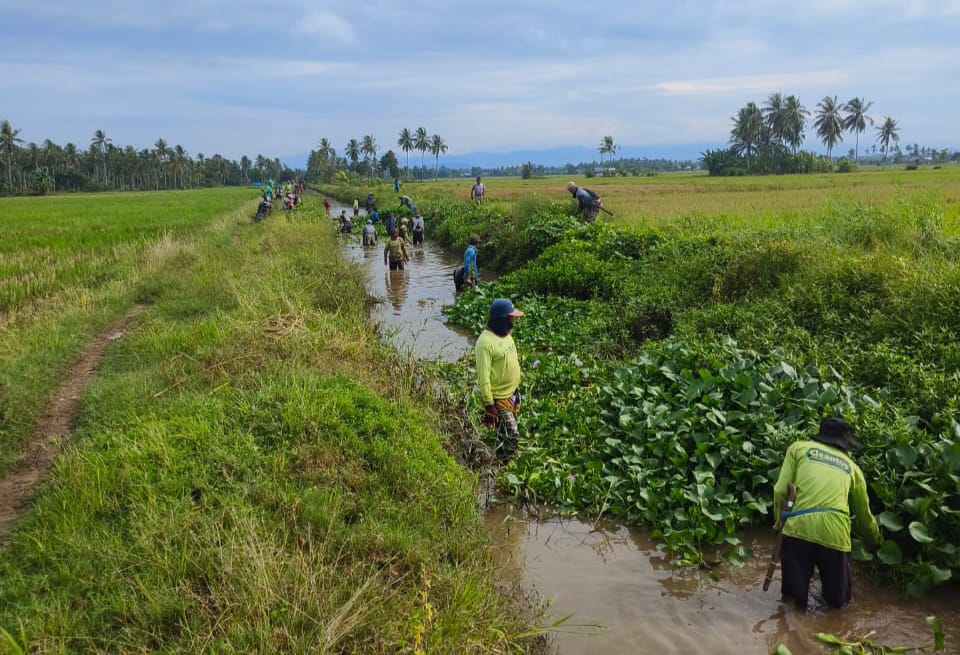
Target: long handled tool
x=791, y=497
x=604, y=209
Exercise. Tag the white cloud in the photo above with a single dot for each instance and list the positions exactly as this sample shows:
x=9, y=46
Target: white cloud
x=754, y=83
x=324, y=24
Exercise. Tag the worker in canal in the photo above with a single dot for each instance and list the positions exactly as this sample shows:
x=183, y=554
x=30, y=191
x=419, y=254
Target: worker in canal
x=369, y=233
x=395, y=252
x=816, y=532
x=404, y=229
x=417, y=229
x=498, y=375
x=468, y=274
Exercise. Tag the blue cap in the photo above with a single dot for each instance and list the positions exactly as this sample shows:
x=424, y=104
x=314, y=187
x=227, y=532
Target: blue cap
x=502, y=307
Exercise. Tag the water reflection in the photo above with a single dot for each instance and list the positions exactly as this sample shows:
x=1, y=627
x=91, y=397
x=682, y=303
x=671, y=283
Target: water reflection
x=608, y=575
x=395, y=282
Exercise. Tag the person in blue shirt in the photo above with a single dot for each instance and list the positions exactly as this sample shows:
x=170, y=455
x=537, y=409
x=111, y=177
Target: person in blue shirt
x=375, y=215
x=390, y=223
x=468, y=274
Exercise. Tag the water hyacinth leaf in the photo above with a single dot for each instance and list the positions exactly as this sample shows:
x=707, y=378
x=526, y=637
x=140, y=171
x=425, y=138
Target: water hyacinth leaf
x=828, y=638
x=934, y=624
x=889, y=521
x=906, y=455
x=890, y=553
x=782, y=650
x=936, y=574
x=951, y=456
x=713, y=458
x=828, y=397
x=859, y=552
x=788, y=370
x=919, y=533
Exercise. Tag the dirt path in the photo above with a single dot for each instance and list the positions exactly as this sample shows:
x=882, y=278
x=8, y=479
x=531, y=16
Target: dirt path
x=53, y=428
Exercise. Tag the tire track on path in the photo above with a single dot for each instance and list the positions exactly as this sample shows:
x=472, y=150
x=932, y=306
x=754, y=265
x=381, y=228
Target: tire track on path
x=54, y=427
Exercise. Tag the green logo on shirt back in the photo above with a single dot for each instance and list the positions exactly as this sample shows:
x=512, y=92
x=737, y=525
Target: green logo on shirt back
x=828, y=458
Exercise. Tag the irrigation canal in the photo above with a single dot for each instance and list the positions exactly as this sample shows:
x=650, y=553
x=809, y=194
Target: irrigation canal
x=623, y=595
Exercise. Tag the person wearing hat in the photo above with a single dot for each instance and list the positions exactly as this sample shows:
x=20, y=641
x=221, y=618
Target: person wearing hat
x=816, y=532
x=588, y=202
x=404, y=230
x=498, y=374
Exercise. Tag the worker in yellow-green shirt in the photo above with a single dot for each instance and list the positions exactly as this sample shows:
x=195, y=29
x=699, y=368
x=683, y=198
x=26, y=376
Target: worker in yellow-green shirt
x=830, y=486
x=498, y=374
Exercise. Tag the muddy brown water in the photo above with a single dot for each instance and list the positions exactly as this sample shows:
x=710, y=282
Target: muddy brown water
x=622, y=594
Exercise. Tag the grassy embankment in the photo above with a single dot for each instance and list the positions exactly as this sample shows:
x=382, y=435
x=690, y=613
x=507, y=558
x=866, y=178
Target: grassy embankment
x=682, y=351
x=251, y=470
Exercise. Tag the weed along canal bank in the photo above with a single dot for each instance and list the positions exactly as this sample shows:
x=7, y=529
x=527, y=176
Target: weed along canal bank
x=678, y=361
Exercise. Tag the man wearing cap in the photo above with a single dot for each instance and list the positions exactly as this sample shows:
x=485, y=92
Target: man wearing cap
x=816, y=532
x=498, y=374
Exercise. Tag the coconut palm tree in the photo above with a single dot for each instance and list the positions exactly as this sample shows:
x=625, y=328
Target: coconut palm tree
x=162, y=152
x=748, y=129
x=326, y=150
x=775, y=116
x=887, y=133
x=856, y=120
x=98, y=146
x=178, y=164
x=421, y=142
x=369, y=150
x=794, y=119
x=437, y=148
x=606, y=148
x=8, y=144
x=828, y=122
x=352, y=151
x=405, y=143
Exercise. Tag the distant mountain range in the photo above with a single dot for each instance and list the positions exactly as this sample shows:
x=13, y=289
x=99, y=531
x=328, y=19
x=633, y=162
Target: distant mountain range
x=550, y=157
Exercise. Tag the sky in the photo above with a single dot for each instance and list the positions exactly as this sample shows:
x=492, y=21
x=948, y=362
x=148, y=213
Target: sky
x=238, y=77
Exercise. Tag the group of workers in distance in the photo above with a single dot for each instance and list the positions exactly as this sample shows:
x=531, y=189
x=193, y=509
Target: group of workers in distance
x=288, y=193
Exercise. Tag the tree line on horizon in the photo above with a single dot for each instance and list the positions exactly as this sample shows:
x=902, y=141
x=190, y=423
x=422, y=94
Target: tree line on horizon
x=323, y=163
x=103, y=166
x=767, y=139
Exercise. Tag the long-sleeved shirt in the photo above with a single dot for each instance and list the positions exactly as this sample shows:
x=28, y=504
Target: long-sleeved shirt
x=498, y=367
x=470, y=270
x=830, y=483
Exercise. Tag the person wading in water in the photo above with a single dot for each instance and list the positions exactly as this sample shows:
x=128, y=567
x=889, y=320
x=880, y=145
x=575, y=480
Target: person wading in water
x=817, y=531
x=498, y=375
